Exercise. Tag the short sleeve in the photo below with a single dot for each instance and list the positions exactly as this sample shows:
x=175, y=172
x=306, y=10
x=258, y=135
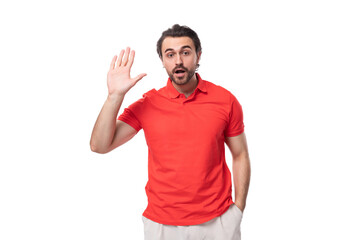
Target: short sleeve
x=132, y=115
x=235, y=123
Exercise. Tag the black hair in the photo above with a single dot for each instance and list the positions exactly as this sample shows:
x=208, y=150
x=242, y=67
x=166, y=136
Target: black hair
x=179, y=31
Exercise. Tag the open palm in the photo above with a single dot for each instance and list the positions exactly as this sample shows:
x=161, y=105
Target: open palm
x=118, y=77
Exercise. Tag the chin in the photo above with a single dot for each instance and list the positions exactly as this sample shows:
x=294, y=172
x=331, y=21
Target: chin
x=181, y=81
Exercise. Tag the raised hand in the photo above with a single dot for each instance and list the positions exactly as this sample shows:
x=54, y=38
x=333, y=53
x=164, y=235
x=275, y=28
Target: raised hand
x=119, y=81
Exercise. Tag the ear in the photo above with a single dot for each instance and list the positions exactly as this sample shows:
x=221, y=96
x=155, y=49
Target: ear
x=198, y=57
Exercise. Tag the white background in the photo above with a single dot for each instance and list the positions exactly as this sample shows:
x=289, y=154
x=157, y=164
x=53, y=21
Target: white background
x=293, y=65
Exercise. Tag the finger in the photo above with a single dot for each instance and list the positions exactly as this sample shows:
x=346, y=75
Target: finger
x=131, y=59
x=139, y=77
x=112, y=64
x=120, y=58
x=126, y=57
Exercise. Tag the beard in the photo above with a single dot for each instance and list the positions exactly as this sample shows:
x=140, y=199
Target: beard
x=179, y=80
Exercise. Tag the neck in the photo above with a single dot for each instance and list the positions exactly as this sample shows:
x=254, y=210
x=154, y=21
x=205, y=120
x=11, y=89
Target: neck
x=188, y=88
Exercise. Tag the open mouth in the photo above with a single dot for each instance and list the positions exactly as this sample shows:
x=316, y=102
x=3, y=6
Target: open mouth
x=179, y=71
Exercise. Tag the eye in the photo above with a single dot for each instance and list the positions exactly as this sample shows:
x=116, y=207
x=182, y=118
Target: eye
x=186, y=53
x=169, y=55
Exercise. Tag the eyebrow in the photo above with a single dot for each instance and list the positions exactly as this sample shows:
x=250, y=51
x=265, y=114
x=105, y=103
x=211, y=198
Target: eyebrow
x=170, y=49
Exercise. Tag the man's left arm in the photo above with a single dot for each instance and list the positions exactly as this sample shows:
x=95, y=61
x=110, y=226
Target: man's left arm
x=241, y=168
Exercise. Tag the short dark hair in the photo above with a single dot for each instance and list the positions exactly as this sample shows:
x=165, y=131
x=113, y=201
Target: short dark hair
x=179, y=31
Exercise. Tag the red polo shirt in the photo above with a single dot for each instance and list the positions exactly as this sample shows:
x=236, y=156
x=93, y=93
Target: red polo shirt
x=189, y=181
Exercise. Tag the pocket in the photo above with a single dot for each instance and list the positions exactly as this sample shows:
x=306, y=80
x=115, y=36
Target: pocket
x=238, y=209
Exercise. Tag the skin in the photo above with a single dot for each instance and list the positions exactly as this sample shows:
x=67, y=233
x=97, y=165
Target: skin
x=110, y=133
x=240, y=168
x=179, y=52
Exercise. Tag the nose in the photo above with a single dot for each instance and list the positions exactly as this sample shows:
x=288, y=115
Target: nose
x=178, y=59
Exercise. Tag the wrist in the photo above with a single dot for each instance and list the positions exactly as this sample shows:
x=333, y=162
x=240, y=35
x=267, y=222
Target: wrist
x=115, y=97
x=240, y=205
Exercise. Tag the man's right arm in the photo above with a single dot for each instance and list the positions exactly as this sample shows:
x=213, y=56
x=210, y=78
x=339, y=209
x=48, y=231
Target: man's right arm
x=109, y=133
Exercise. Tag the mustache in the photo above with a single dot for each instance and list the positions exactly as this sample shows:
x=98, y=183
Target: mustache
x=180, y=67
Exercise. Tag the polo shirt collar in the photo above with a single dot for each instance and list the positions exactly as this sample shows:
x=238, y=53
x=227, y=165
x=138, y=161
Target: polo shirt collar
x=173, y=93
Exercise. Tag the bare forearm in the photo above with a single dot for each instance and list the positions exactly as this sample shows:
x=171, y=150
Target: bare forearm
x=241, y=176
x=104, y=128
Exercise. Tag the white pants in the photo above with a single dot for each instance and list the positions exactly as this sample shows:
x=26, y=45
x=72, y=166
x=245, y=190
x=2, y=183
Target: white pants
x=223, y=227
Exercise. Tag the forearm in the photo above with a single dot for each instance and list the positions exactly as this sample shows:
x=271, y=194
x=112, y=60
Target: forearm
x=104, y=128
x=241, y=176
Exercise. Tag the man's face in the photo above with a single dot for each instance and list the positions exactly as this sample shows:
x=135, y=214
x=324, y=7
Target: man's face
x=179, y=59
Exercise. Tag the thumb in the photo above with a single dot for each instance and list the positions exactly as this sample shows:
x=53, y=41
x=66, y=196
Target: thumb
x=139, y=77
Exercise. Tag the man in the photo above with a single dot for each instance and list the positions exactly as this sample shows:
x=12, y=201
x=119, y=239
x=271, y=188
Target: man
x=186, y=124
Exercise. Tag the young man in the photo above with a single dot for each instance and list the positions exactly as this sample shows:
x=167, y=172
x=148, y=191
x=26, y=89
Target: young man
x=186, y=124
